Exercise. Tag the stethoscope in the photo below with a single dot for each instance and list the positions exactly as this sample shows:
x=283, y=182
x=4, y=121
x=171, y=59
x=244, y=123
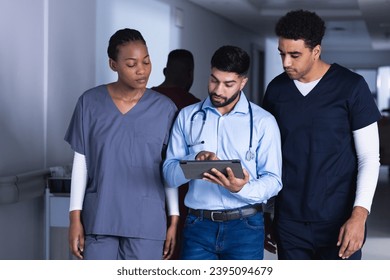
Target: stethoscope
x=249, y=154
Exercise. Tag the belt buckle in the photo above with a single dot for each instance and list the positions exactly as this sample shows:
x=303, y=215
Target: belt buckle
x=212, y=216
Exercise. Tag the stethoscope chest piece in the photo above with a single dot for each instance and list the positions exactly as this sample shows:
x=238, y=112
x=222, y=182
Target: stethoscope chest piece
x=249, y=155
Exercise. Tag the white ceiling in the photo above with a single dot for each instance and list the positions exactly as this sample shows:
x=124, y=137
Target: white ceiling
x=351, y=24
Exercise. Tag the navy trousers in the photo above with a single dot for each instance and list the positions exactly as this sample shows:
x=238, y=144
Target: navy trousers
x=309, y=240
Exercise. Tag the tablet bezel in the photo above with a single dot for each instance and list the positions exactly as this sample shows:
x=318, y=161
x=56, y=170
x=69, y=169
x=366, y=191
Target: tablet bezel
x=194, y=169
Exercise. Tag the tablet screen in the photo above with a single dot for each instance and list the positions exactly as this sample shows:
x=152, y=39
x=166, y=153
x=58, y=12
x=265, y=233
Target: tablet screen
x=194, y=169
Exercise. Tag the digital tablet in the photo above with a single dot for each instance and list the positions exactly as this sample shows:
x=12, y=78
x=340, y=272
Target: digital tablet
x=194, y=169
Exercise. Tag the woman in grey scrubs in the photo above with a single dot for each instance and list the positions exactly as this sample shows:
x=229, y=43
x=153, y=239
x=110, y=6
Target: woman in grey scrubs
x=118, y=133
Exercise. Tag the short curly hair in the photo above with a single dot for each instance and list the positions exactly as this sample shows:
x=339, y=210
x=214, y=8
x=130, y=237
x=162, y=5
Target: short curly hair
x=301, y=25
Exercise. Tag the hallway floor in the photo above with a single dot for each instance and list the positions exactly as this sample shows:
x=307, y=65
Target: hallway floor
x=377, y=246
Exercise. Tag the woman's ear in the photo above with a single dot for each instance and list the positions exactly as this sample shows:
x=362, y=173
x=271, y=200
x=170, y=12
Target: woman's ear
x=112, y=64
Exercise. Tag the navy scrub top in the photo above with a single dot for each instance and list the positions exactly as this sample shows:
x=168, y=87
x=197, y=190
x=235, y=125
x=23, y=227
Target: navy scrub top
x=125, y=192
x=319, y=157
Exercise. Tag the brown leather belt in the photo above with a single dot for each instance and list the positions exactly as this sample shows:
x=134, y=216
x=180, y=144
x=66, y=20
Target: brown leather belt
x=227, y=215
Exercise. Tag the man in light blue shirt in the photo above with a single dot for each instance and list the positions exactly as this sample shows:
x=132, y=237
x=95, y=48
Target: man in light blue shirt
x=225, y=219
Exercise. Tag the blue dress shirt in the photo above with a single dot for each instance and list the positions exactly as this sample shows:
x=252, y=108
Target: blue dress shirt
x=228, y=136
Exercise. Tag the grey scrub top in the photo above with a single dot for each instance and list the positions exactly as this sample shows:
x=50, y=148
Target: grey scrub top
x=125, y=192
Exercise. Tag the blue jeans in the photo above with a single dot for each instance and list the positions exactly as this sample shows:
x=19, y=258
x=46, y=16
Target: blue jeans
x=241, y=239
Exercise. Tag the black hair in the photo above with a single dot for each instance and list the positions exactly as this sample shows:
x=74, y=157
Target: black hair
x=301, y=25
x=231, y=59
x=181, y=56
x=122, y=37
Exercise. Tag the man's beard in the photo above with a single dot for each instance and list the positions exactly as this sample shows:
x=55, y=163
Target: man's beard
x=225, y=102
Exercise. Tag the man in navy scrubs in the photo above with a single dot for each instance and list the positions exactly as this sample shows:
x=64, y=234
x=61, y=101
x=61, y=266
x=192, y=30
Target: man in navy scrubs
x=328, y=123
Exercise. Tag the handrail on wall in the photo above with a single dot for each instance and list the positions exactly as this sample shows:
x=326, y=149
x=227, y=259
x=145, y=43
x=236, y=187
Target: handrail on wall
x=23, y=186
